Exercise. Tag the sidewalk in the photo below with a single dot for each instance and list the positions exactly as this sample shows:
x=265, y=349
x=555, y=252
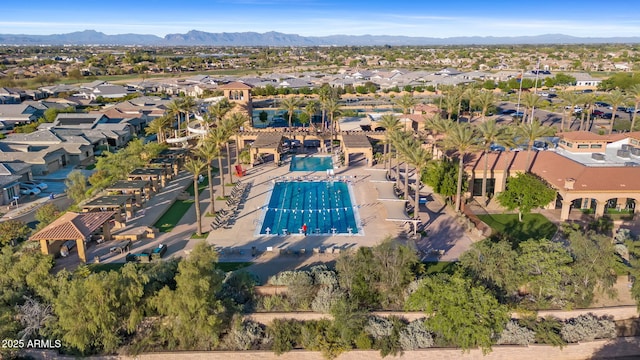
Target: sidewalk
x=22, y=209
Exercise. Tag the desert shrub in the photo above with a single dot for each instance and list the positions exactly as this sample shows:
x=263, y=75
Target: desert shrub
x=588, y=327
x=547, y=330
x=275, y=303
x=244, y=335
x=363, y=341
x=379, y=327
x=416, y=336
x=322, y=275
x=287, y=278
x=285, y=335
x=514, y=334
x=326, y=298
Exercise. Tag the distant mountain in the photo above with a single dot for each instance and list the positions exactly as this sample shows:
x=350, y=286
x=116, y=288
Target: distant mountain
x=272, y=38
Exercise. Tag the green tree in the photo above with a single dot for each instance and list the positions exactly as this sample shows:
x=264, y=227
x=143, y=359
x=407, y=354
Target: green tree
x=531, y=132
x=159, y=126
x=634, y=93
x=208, y=152
x=192, y=312
x=462, y=313
x=406, y=102
x=491, y=134
x=615, y=98
x=494, y=265
x=12, y=231
x=391, y=124
x=196, y=167
x=311, y=109
x=290, y=105
x=76, y=186
x=46, y=214
x=524, y=193
x=94, y=312
x=571, y=99
x=441, y=176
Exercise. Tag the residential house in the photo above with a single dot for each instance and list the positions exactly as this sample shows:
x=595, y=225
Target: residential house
x=16, y=114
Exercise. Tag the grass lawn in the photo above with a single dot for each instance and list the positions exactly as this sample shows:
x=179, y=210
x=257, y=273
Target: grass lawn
x=203, y=185
x=439, y=267
x=533, y=226
x=232, y=266
x=174, y=213
x=201, y=236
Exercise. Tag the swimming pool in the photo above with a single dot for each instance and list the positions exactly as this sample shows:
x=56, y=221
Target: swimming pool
x=311, y=163
x=326, y=207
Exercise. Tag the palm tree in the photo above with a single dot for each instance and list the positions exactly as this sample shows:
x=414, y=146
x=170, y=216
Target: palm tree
x=311, y=109
x=485, y=100
x=195, y=167
x=472, y=95
x=531, y=132
x=401, y=141
x=188, y=105
x=406, y=103
x=615, y=98
x=158, y=126
x=490, y=133
x=391, y=124
x=290, y=105
x=530, y=101
x=332, y=108
x=218, y=136
x=237, y=120
x=174, y=109
x=463, y=139
x=207, y=151
x=634, y=92
x=571, y=99
x=418, y=157
x=219, y=110
x=450, y=103
x=229, y=127
x=326, y=93
x=587, y=108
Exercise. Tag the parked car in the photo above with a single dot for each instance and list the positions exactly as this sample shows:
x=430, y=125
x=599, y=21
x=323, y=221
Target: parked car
x=631, y=110
x=39, y=184
x=508, y=112
x=544, y=93
x=540, y=146
x=608, y=116
x=601, y=104
x=29, y=190
x=496, y=147
x=597, y=113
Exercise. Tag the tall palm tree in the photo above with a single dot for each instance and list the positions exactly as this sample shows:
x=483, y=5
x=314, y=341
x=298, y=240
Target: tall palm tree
x=219, y=110
x=587, y=101
x=572, y=99
x=406, y=103
x=290, y=105
x=196, y=166
x=326, y=93
x=188, y=106
x=158, y=126
x=391, y=124
x=237, y=120
x=218, y=136
x=463, y=139
x=530, y=101
x=418, y=157
x=634, y=93
x=531, y=132
x=490, y=133
x=485, y=100
x=615, y=98
x=207, y=151
x=174, y=109
x=401, y=141
x=311, y=109
x=472, y=94
x=229, y=127
x=332, y=108
x=450, y=103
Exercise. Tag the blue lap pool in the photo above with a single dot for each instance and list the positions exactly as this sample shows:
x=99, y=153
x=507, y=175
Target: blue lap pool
x=311, y=163
x=326, y=207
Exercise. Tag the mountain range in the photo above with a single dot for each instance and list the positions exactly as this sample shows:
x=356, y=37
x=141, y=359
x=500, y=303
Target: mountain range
x=200, y=38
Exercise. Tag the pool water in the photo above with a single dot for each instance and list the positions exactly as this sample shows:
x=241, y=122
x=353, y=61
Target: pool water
x=311, y=163
x=326, y=207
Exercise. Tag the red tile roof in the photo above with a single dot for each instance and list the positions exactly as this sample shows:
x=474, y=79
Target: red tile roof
x=236, y=85
x=590, y=136
x=73, y=226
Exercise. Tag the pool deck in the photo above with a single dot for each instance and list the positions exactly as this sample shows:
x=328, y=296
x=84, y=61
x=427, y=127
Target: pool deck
x=242, y=235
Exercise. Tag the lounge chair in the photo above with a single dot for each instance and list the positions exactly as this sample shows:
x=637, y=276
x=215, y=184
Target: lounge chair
x=240, y=172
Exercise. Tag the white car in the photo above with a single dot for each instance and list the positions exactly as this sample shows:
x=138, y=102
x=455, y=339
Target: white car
x=29, y=190
x=40, y=185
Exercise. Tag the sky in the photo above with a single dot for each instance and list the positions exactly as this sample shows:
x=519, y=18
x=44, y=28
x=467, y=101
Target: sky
x=425, y=18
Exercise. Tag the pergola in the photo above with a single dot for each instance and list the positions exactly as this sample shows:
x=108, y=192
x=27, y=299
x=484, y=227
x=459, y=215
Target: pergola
x=356, y=144
x=152, y=175
x=395, y=207
x=111, y=203
x=77, y=227
x=267, y=142
x=176, y=154
x=169, y=165
x=133, y=187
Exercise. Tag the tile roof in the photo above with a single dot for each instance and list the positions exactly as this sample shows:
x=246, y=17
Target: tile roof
x=590, y=136
x=236, y=85
x=73, y=226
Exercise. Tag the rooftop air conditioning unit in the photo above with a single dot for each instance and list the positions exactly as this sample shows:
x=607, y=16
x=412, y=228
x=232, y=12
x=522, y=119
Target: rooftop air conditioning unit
x=597, y=156
x=624, y=153
x=635, y=151
x=631, y=164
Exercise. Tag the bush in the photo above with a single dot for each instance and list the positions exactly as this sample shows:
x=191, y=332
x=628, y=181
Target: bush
x=416, y=336
x=323, y=276
x=379, y=327
x=588, y=327
x=245, y=335
x=514, y=334
x=326, y=298
x=285, y=334
x=287, y=278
